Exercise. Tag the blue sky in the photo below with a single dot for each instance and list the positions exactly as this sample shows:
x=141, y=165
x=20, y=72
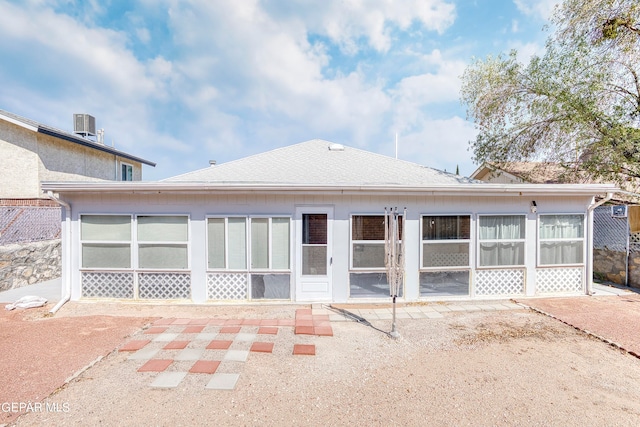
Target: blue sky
x=182, y=82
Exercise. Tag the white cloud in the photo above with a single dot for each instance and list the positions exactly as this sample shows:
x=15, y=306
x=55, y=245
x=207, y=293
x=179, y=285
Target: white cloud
x=347, y=22
x=542, y=9
x=441, y=143
x=415, y=93
x=246, y=76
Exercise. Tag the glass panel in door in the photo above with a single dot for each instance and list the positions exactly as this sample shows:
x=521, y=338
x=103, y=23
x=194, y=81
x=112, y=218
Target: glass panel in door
x=314, y=244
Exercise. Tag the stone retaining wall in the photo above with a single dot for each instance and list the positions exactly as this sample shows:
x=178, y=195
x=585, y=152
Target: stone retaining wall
x=610, y=266
x=24, y=264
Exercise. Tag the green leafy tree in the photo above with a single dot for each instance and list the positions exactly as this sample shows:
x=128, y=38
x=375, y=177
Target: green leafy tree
x=577, y=105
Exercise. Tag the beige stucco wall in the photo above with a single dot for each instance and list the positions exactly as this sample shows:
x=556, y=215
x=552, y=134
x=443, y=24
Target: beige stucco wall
x=18, y=162
x=67, y=161
x=28, y=157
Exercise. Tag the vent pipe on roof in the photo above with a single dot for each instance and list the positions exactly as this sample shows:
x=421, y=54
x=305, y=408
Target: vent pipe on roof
x=212, y=162
x=336, y=147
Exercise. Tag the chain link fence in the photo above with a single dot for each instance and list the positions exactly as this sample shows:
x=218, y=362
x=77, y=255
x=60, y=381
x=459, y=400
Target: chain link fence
x=26, y=224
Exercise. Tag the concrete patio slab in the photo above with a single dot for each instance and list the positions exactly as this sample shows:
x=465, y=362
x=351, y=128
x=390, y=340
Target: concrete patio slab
x=223, y=382
x=236, y=356
x=168, y=379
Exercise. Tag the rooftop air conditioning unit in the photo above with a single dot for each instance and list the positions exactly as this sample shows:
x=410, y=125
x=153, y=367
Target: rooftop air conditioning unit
x=84, y=124
x=619, y=211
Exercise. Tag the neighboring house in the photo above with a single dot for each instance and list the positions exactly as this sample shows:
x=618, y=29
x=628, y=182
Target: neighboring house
x=305, y=223
x=519, y=173
x=616, y=251
x=31, y=152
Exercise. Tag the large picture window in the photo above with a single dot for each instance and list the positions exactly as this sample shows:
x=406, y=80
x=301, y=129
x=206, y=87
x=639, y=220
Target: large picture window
x=501, y=240
x=163, y=242
x=106, y=241
x=561, y=239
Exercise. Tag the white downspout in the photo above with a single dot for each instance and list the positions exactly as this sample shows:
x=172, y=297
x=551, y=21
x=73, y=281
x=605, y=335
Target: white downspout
x=66, y=255
x=590, y=210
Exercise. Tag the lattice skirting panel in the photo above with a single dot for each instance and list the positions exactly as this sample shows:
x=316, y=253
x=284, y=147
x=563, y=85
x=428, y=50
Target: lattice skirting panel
x=448, y=260
x=107, y=285
x=227, y=286
x=499, y=282
x=557, y=280
x=164, y=285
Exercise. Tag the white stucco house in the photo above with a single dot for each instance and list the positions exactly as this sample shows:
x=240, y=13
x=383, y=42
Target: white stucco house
x=305, y=223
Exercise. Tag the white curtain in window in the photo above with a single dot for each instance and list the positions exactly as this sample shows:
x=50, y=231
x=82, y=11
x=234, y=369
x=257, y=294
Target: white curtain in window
x=501, y=254
x=505, y=228
x=508, y=227
x=215, y=236
x=280, y=243
x=237, y=250
x=561, y=239
x=561, y=226
x=563, y=252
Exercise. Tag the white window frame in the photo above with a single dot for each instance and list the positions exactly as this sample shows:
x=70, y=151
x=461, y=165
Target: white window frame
x=130, y=242
x=137, y=243
x=424, y=241
x=248, y=268
x=269, y=267
x=541, y=240
x=353, y=242
x=128, y=165
x=226, y=267
x=522, y=240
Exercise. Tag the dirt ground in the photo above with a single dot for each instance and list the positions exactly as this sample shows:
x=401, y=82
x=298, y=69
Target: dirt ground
x=508, y=368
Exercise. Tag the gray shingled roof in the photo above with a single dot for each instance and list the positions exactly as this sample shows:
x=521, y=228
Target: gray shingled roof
x=313, y=162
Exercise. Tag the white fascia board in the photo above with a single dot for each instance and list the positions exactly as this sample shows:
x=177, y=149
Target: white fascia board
x=436, y=189
x=18, y=123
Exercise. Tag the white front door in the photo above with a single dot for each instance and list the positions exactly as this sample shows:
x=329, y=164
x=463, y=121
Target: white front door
x=313, y=253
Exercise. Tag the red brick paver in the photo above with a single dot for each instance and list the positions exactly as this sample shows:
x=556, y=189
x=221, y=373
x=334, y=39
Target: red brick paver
x=230, y=330
x=262, y=347
x=304, y=330
x=134, y=345
x=205, y=367
x=176, y=345
x=304, y=349
x=326, y=331
x=193, y=329
x=155, y=365
x=219, y=345
x=268, y=330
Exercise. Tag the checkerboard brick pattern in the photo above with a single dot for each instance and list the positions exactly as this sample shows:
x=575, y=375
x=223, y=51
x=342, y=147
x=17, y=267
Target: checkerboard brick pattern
x=215, y=343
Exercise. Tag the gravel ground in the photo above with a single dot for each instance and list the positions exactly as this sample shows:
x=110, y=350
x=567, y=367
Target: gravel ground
x=482, y=368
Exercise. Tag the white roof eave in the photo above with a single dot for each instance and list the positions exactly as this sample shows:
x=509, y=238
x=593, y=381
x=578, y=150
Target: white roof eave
x=469, y=189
